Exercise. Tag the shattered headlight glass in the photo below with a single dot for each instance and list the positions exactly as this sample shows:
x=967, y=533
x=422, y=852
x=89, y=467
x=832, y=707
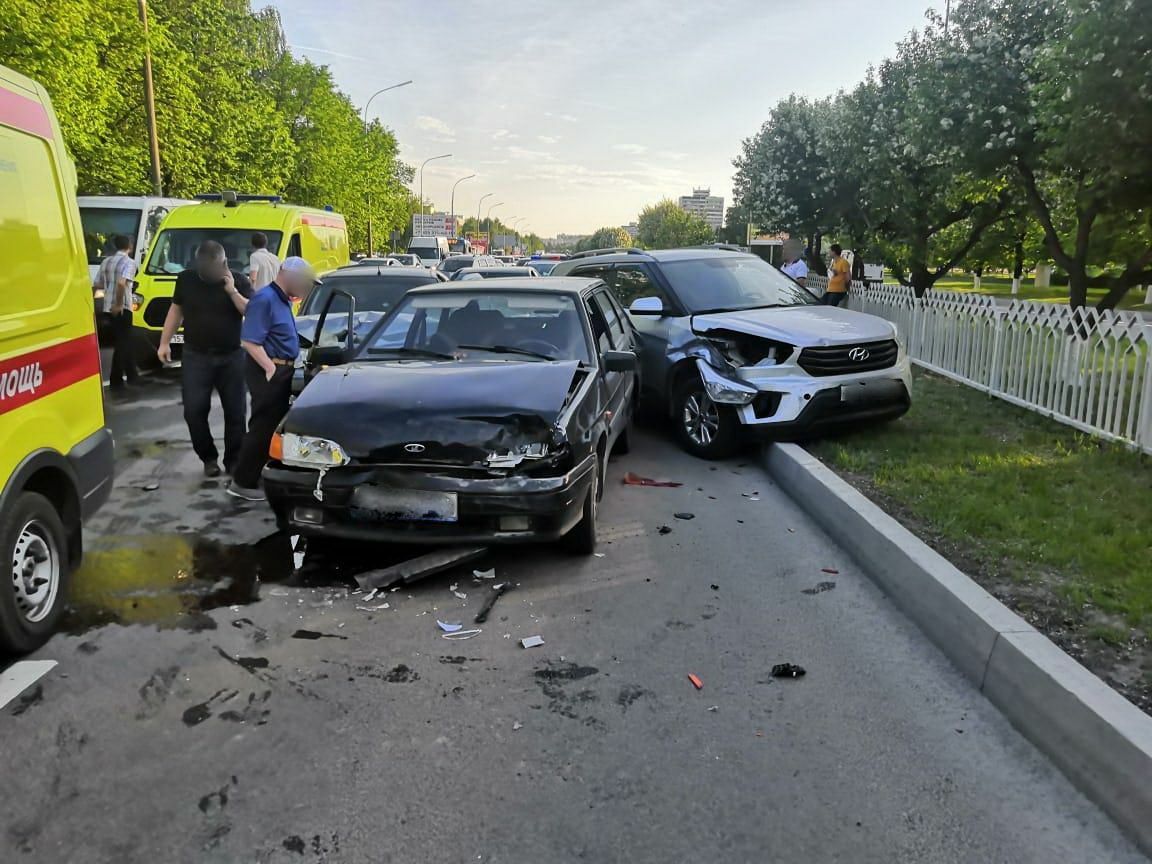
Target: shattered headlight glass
x=305, y=451
x=724, y=389
x=512, y=458
x=743, y=349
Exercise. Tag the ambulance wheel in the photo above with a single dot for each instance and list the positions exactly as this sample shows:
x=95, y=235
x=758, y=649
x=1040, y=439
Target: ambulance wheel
x=36, y=570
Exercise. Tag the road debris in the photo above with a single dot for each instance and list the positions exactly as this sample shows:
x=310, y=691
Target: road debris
x=367, y=598
x=696, y=682
x=460, y=634
x=314, y=634
x=714, y=708
x=788, y=670
x=374, y=608
x=20, y=676
x=714, y=587
x=417, y=568
x=484, y=574
x=598, y=554
x=684, y=516
x=631, y=479
x=151, y=486
x=517, y=726
x=531, y=641
x=819, y=588
x=448, y=627
x=663, y=529
x=493, y=595
x=751, y=496
x=831, y=570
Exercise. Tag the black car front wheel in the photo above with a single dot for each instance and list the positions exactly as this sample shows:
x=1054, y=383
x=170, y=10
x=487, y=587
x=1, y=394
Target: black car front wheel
x=703, y=427
x=581, y=540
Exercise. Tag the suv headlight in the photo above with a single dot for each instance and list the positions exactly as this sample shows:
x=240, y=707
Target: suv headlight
x=722, y=389
x=305, y=451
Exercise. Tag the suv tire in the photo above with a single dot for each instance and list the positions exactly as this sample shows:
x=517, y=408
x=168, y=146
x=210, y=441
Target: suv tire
x=703, y=428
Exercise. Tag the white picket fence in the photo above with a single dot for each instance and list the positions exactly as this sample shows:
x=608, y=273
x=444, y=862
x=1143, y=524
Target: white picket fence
x=1089, y=369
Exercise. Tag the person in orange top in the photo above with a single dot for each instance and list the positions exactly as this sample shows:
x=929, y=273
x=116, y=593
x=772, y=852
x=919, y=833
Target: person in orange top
x=839, y=273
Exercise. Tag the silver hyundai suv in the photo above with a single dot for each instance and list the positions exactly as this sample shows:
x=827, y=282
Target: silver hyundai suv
x=730, y=347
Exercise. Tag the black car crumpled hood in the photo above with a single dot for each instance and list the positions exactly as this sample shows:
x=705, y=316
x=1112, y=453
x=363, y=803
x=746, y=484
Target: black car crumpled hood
x=459, y=412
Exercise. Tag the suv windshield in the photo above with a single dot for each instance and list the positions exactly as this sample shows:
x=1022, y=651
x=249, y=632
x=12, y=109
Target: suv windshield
x=375, y=293
x=522, y=325
x=101, y=224
x=175, y=248
x=732, y=282
x=458, y=262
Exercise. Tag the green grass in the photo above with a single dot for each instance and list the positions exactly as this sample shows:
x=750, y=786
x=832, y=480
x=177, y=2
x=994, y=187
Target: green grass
x=1001, y=286
x=1012, y=496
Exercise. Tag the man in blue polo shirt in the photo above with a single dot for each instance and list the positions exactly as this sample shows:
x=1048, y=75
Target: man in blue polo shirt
x=270, y=340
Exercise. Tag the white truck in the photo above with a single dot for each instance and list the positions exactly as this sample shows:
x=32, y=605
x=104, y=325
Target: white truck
x=432, y=250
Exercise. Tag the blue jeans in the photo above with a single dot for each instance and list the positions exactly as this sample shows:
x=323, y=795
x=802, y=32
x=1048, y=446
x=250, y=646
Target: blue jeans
x=833, y=298
x=201, y=374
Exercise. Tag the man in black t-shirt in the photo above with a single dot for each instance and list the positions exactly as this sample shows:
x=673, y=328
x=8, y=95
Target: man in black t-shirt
x=210, y=301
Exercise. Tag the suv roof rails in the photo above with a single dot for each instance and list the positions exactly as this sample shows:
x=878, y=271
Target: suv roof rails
x=615, y=250
x=726, y=247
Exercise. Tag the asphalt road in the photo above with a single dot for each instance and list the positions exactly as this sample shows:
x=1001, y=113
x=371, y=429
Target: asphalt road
x=185, y=723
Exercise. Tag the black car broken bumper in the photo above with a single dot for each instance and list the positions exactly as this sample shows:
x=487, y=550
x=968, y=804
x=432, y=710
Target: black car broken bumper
x=512, y=509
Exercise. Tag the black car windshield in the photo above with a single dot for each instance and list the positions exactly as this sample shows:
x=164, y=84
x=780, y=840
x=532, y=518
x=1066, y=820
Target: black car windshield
x=541, y=265
x=525, y=326
x=458, y=262
x=175, y=248
x=373, y=293
x=492, y=273
x=101, y=224
x=732, y=282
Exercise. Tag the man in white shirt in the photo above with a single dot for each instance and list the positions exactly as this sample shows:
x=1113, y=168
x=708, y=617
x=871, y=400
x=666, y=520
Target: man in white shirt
x=116, y=277
x=796, y=268
x=262, y=265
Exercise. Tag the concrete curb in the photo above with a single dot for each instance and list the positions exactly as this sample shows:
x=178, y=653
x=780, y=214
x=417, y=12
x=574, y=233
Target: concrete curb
x=1101, y=742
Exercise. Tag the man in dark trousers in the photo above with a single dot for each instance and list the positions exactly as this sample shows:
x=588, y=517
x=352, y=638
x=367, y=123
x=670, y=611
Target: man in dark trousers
x=271, y=342
x=209, y=299
x=116, y=277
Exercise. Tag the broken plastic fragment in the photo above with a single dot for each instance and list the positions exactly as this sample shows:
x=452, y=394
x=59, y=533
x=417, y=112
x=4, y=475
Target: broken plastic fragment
x=367, y=597
x=831, y=570
x=461, y=634
x=517, y=726
x=318, y=493
x=788, y=670
x=449, y=628
x=461, y=595
x=531, y=641
x=631, y=479
x=696, y=682
x=485, y=574
x=684, y=516
x=663, y=529
x=373, y=608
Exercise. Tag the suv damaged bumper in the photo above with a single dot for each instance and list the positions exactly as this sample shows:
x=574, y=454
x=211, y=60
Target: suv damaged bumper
x=400, y=504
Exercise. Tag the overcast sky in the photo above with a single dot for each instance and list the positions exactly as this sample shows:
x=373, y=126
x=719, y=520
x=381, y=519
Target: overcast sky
x=576, y=114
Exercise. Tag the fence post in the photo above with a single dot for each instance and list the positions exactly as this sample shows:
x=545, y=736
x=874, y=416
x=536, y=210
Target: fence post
x=995, y=380
x=1144, y=423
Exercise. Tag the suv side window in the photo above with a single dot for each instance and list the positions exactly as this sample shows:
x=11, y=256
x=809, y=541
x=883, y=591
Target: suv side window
x=615, y=325
x=594, y=271
x=632, y=282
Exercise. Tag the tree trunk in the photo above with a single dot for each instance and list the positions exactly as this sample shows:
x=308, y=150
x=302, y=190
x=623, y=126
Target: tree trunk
x=1018, y=267
x=1077, y=286
x=922, y=279
x=1115, y=294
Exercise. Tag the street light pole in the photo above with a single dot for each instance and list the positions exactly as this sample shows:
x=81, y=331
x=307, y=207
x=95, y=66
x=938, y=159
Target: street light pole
x=478, y=204
x=150, y=105
x=452, y=205
x=515, y=228
x=491, y=207
x=368, y=192
x=422, y=164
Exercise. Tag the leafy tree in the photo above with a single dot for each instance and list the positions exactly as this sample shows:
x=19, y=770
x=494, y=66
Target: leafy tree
x=606, y=238
x=783, y=181
x=665, y=226
x=918, y=194
x=1061, y=95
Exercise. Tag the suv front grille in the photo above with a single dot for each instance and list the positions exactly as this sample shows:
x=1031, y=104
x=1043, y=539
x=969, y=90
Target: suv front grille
x=156, y=311
x=846, y=359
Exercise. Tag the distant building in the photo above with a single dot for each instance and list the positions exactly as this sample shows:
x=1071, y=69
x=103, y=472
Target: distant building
x=633, y=229
x=704, y=204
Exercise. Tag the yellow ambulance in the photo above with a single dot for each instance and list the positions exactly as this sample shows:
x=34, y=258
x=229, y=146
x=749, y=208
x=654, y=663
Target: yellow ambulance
x=56, y=456
x=319, y=236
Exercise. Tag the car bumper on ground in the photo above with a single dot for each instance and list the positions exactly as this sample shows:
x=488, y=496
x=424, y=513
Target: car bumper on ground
x=487, y=510
x=794, y=404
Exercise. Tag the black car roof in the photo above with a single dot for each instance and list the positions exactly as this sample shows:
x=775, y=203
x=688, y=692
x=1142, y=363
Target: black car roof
x=367, y=271
x=490, y=269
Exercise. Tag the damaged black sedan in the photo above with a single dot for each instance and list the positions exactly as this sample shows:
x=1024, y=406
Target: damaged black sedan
x=473, y=412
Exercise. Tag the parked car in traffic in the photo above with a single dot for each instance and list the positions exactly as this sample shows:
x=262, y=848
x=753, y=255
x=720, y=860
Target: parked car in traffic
x=492, y=273
x=458, y=262
x=731, y=348
x=407, y=260
x=476, y=412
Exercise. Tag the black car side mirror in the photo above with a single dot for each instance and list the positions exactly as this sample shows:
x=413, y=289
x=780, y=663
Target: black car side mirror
x=618, y=361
